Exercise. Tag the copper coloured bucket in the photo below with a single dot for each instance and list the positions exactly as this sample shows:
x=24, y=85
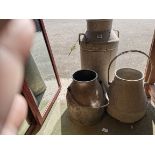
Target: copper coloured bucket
x=86, y=98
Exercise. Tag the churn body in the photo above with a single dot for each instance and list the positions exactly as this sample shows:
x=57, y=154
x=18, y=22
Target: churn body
x=96, y=55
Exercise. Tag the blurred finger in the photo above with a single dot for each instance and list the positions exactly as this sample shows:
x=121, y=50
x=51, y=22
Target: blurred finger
x=16, y=116
x=17, y=37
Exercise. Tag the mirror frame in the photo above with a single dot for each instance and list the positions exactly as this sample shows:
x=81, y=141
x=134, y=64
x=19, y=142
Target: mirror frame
x=35, y=119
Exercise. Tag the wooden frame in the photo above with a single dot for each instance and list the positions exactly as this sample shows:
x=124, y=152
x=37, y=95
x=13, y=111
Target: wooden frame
x=35, y=119
x=150, y=74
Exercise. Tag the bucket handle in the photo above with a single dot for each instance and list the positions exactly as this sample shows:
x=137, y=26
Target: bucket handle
x=103, y=89
x=132, y=51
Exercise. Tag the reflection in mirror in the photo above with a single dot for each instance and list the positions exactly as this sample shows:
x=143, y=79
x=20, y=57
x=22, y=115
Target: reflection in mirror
x=39, y=72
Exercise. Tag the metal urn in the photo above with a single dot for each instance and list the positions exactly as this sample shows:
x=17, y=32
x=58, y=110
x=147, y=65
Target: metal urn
x=98, y=46
x=86, y=98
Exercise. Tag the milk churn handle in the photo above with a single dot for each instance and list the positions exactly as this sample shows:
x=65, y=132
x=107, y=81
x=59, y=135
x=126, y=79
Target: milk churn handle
x=82, y=34
x=117, y=31
x=132, y=51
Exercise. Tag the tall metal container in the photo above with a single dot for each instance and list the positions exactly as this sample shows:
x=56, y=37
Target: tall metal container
x=97, y=48
x=33, y=77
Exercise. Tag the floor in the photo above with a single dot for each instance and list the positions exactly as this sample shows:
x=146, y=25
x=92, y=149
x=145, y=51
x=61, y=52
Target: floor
x=62, y=125
x=134, y=34
x=59, y=123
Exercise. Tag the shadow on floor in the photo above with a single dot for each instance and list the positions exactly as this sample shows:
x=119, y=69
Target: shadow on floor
x=114, y=127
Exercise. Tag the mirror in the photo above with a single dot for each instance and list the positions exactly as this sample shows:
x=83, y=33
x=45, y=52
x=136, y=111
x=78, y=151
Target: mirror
x=41, y=85
x=39, y=72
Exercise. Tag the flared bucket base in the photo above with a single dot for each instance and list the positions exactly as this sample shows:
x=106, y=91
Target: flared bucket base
x=126, y=117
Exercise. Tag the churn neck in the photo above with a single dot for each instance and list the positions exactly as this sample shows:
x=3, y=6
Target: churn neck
x=99, y=25
x=85, y=76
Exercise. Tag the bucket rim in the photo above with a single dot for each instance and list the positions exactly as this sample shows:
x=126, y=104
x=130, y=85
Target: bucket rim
x=96, y=76
x=123, y=79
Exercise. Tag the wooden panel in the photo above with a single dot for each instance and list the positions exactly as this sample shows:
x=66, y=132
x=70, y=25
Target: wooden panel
x=150, y=74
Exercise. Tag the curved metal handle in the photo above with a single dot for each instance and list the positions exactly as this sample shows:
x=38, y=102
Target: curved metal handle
x=104, y=91
x=106, y=95
x=117, y=32
x=105, y=105
x=132, y=51
x=82, y=34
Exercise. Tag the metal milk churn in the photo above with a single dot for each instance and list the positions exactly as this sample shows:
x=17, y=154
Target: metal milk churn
x=98, y=46
x=33, y=77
